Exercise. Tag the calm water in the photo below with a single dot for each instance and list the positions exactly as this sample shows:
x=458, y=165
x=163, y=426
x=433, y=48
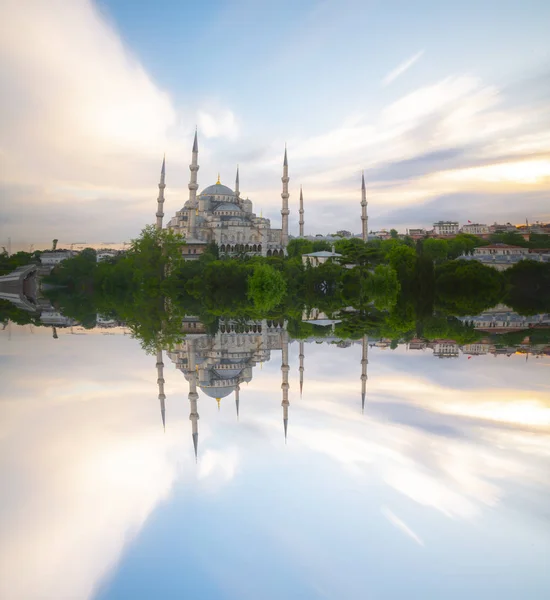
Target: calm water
x=439, y=489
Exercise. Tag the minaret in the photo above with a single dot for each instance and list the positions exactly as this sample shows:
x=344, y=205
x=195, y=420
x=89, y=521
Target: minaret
x=301, y=369
x=301, y=222
x=237, y=191
x=284, y=386
x=284, y=211
x=364, y=218
x=193, y=186
x=237, y=390
x=364, y=363
x=160, y=381
x=160, y=199
x=193, y=397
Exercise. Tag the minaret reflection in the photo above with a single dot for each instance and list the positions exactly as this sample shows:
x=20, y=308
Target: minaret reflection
x=284, y=386
x=160, y=382
x=301, y=369
x=193, y=396
x=364, y=363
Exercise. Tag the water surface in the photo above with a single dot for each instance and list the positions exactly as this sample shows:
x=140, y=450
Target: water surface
x=438, y=489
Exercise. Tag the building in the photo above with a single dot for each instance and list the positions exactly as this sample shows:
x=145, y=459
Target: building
x=219, y=214
x=416, y=234
x=103, y=254
x=381, y=235
x=315, y=259
x=502, y=319
x=501, y=250
x=475, y=229
x=55, y=257
x=218, y=364
x=446, y=228
x=498, y=228
x=445, y=348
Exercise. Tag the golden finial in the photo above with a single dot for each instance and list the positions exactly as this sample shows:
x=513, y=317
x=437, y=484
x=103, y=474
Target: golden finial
x=218, y=182
x=218, y=401
x=197, y=211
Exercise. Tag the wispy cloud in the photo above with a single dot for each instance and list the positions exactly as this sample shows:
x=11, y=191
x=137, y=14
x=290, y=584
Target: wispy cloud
x=399, y=70
x=397, y=522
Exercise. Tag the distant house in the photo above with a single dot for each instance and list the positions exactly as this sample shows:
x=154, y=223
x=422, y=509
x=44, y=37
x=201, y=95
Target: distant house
x=446, y=228
x=55, y=257
x=502, y=228
x=381, y=235
x=416, y=233
x=102, y=255
x=318, y=258
x=500, y=250
x=475, y=229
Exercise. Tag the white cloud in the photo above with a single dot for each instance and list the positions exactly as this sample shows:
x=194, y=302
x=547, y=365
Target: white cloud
x=399, y=70
x=397, y=522
x=217, y=123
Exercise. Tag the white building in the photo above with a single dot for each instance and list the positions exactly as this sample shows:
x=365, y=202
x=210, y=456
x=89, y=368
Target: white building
x=500, y=250
x=475, y=229
x=54, y=258
x=445, y=348
x=446, y=228
x=318, y=258
x=102, y=255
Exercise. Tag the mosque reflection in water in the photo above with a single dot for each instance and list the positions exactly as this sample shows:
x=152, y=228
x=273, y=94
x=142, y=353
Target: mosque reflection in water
x=218, y=364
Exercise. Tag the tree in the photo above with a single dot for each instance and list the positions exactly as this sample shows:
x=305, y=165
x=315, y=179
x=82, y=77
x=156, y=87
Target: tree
x=382, y=286
x=467, y=287
x=393, y=233
x=529, y=287
x=435, y=249
x=54, y=245
x=266, y=287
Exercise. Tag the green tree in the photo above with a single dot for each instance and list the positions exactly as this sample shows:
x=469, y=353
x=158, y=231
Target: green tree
x=266, y=287
x=467, y=287
x=435, y=249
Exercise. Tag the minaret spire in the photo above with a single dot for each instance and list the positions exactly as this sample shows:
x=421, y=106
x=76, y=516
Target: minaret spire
x=193, y=186
x=284, y=211
x=160, y=381
x=193, y=397
x=364, y=363
x=301, y=222
x=160, y=199
x=237, y=191
x=364, y=218
x=284, y=386
x=301, y=369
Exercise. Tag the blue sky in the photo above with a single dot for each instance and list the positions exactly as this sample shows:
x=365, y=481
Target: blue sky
x=445, y=106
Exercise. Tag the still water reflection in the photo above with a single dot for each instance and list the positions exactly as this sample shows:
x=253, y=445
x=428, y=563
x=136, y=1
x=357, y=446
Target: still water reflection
x=269, y=479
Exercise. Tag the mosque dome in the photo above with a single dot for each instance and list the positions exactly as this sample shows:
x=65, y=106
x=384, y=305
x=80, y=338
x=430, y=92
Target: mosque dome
x=217, y=189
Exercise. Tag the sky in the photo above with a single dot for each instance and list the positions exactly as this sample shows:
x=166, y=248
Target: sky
x=443, y=479
x=445, y=106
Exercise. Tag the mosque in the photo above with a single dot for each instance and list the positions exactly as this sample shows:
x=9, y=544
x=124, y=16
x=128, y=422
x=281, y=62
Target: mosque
x=218, y=364
x=219, y=214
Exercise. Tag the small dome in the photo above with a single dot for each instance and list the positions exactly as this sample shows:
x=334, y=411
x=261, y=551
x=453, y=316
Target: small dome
x=217, y=391
x=217, y=190
x=227, y=206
